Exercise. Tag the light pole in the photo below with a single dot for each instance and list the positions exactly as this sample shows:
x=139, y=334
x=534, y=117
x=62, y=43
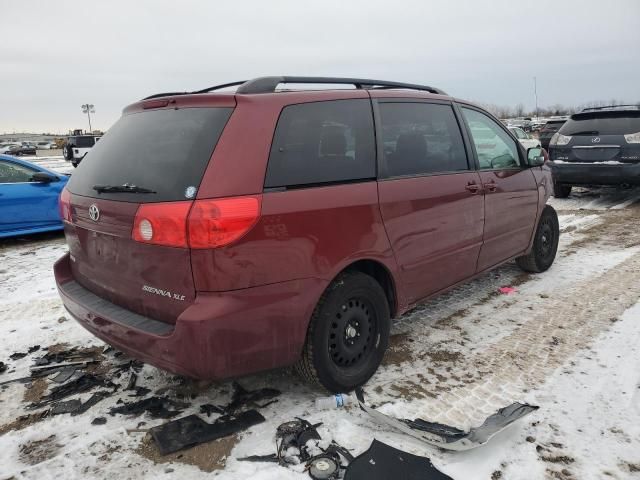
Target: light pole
x=535, y=93
x=88, y=109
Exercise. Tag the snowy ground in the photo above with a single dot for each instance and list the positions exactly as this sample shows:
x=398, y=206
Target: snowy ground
x=567, y=341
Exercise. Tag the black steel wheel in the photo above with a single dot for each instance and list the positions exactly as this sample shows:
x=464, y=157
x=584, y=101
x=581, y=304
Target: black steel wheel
x=545, y=243
x=348, y=334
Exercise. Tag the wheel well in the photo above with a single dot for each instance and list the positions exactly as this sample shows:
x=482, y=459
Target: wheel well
x=378, y=271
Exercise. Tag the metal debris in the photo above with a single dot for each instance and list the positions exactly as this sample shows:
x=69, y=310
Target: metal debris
x=447, y=437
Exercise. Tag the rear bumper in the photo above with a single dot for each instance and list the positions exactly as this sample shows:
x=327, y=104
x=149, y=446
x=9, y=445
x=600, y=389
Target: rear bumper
x=221, y=335
x=597, y=174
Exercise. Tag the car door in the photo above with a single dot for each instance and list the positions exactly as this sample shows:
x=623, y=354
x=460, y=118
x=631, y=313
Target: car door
x=511, y=192
x=430, y=198
x=25, y=204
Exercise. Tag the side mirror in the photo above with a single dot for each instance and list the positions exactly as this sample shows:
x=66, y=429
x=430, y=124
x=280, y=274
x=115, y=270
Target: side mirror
x=535, y=157
x=43, y=177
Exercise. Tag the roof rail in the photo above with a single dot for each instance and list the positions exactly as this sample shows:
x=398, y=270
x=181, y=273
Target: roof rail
x=269, y=85
x=612, y=107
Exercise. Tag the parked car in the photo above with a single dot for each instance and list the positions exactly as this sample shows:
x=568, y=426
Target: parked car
x=6, y=148
x=248, y=231
x=524, y=138
x=549, y=129
x=19, y=150
x=28, y=197
x=45, y=145
x=77, y=147
x=598, y=146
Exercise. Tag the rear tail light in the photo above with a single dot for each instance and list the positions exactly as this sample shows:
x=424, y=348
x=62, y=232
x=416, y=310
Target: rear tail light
x=218, y=222
x=64, y=205
x=559, y=139
x=162, y=223
x=199, y=224
x=632, y=137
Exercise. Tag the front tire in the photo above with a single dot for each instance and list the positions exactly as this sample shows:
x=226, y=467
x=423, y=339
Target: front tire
x=348, y=334
x=545, y=243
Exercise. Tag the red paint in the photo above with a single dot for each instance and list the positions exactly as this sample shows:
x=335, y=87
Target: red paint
x=247, y=303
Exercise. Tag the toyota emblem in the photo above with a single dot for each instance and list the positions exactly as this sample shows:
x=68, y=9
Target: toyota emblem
x=595, y=140
x=94, y=212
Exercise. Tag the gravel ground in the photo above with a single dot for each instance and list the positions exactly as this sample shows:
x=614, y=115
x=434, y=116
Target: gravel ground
x=566, y=340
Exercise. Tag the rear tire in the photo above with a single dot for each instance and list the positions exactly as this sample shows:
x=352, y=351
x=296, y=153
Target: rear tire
x=545, y=243
x=348, y=334
x=561, y=190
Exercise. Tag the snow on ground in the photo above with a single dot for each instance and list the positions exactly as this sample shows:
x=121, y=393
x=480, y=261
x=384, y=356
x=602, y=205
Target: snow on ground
x=567, y=340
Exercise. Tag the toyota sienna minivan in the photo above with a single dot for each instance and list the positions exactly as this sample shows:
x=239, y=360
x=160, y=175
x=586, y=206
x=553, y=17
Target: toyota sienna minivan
x=216, y=234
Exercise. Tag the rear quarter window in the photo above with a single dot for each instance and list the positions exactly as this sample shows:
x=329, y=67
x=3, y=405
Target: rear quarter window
x=322, y=142
x=164, y=150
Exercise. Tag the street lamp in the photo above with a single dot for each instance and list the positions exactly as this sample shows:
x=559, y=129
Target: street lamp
x=88, y=109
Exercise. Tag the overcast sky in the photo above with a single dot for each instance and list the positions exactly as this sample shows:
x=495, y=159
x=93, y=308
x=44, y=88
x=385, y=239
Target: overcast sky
x=57, y=55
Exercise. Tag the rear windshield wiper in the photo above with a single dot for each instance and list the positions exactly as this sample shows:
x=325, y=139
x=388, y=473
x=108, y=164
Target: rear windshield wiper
x=124, y=188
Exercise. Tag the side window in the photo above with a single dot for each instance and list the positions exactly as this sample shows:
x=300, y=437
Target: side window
x=420, y=138
x=322, y=142
x=521, y=134
x=495, y=148
x=14, y=173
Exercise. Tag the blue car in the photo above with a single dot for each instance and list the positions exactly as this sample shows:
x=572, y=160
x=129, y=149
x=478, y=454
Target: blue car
x=28, y=197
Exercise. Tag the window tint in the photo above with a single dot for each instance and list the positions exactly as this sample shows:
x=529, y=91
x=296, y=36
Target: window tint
x=83, y=142
x=420, y=138
x=495, y=148
x=602, y=123
x=164, y=150
x=14, y=173
x=322, y=142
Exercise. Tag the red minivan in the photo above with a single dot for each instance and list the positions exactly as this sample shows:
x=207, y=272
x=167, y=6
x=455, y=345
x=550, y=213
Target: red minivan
x=220, y=234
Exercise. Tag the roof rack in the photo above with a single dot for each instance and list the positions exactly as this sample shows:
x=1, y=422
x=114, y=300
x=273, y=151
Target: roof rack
x=269, y=85
x=612, y=107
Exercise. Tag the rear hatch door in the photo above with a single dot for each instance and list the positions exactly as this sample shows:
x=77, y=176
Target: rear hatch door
x=599, y=137
x=164, y=151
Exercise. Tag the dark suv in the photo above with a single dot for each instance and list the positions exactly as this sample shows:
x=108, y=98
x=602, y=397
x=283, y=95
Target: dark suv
x=548, y=131
x=598, y=146
x=219, y=234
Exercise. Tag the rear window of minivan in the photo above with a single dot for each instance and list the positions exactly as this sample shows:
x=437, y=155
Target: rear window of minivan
x=165, y=150
x=602, y=123
x=322, y=142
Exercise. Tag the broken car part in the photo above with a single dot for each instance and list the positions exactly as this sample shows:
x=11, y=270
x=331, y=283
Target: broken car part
x=192, y=430
x=295, y=433
x=325, y=466
x=451, y=438
x=157, y=407
x=81, y=384
x=382, y=462
x=76, y=407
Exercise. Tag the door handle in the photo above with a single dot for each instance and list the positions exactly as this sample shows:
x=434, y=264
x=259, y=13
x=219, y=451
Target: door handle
x=473, y=188
x=490, y=186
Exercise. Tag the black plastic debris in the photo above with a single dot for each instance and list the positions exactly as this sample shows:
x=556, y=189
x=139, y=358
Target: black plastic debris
x=64, y=374
x=271, y=457
x=447, y=437
x=243, y=397
x=19, y=355
x=192, y=430
x=207, y=409
x=157, y=407
x=99, y=421
x=3, y=367
x=75, y=406
x=382, y=462
x=83, y=383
